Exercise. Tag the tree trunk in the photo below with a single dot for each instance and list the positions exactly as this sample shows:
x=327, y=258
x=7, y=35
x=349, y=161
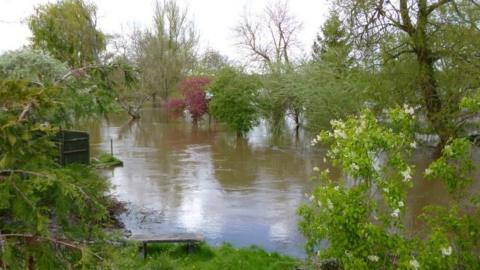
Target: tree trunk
x=426, y=78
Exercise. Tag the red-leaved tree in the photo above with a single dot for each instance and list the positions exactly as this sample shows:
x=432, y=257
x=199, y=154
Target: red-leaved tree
x=176, y=106
x=193, y=89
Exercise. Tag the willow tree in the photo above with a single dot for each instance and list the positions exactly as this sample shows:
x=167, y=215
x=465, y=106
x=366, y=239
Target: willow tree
x=439, y=37
x=68, y=30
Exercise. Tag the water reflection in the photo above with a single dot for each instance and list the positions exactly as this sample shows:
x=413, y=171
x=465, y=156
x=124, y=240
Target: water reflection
x=178, y=178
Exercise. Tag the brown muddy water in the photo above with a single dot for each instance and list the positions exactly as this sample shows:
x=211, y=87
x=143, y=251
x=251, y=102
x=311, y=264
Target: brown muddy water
x=177, y=178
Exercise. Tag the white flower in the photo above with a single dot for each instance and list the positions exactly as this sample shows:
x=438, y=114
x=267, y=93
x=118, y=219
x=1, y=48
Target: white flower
x=311, y=198
x=401, y=204
x=447, y=251
x=358, y=130
x=395, y=213
x=413, y=144
x=408, y=109
x=329, y=204
x=414, y=263
x=338, y=133
x=327, y=171
x=428, y=171
x=373, y=258
x=324, y=160
x=316, y=169
x=319, y=204
x=407, y=174
x=337, y=188
x=354, y=167
x=448, y=150
x=386, y=190
x=314, y=142
x=318, y=138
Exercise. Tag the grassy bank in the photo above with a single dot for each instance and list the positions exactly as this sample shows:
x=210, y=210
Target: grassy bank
x=105, y=161
x=169, y=256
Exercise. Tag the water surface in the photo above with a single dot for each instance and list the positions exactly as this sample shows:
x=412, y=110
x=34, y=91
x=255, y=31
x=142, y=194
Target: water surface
x=178, y=178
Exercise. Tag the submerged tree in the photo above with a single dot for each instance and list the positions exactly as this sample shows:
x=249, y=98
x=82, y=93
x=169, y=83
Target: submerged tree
x=234, y=98
x=166, y=54
x=437, y=37
x=271, y=42
x=330, y=82
x=194, y=91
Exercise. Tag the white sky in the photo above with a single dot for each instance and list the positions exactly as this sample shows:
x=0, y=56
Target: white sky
x=214, y=19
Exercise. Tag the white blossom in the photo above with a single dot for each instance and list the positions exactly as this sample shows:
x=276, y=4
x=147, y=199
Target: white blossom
x=428, y=171
x=386, y=190
x=327, y=171
x=324, y=160
x=407, y=174
x=373, y=258
x=316, y=169
x=408, y=109
x=354, y=167
x=319, y=204
x=413, y=144
x=448, y=150
x=401, y=204
x=337, y=188
x=311, y=198
x=446, y=251
x=414, y=263
x=396, y=213
x=338, y=133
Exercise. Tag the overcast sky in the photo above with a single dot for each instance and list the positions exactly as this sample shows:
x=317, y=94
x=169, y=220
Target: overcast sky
x=214, y=19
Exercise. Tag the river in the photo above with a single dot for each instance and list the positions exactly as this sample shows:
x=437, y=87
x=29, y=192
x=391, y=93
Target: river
x=178, y=178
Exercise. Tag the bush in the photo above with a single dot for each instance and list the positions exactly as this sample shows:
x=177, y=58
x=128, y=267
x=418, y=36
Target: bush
x=361, y=215
x=234, y=100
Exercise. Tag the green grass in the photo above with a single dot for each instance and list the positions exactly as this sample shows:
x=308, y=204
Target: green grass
x=225, y=257
x=106, y=161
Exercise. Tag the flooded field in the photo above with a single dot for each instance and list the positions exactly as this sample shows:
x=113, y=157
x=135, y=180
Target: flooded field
x=178, y=178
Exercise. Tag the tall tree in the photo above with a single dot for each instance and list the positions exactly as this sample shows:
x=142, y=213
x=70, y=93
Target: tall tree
x=68, y=30
x=167, y=54
x=271, y=41
x=271, y=38
x=390, y=30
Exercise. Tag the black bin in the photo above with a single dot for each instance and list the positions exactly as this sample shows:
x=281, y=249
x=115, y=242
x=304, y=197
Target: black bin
x=73, y=147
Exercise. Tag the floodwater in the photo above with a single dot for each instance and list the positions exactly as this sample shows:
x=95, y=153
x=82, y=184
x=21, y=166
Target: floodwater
x=177, y=178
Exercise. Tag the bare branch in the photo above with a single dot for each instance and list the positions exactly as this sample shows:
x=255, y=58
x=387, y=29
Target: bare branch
x=436, y=5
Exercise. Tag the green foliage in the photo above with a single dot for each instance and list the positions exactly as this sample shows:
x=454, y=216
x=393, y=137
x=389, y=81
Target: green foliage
x=234, y=100
x=360, y=216
x=166, y=55
x=422, y=53
x=67, y=29
x=47, y=211
x=31, y=66
x=205, y=257
x=106, y=161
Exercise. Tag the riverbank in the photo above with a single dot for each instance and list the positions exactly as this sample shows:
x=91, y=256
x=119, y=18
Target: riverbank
x=205, y=257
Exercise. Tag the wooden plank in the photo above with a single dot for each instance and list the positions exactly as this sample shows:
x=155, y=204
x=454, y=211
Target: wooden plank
x=168, y=238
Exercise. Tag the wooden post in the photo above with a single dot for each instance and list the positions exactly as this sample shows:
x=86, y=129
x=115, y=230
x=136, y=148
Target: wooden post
x=111, y=146
x=144, y=250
